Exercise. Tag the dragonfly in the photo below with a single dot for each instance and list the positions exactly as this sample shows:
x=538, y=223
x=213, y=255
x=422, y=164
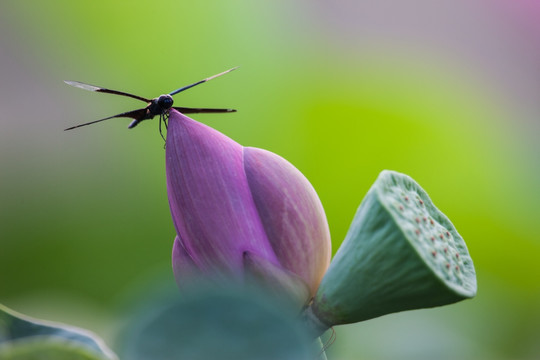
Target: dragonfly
x=158, y=106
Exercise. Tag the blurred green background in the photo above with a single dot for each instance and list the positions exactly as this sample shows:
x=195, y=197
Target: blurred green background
x=445, y=91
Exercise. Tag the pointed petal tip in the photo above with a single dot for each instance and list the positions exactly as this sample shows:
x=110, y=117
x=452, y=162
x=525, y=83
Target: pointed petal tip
x=209, y=197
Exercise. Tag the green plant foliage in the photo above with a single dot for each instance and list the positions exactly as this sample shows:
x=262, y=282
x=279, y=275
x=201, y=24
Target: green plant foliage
x=24, y=338
x=217, y=324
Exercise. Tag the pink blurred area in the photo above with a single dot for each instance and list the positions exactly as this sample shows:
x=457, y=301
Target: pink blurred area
x=496, y=42
x=525, y=13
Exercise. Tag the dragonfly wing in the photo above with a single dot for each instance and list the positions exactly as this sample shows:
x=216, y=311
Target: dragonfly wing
x=81, y=85
x=89, y=87
x=137, y=115
x=186, y=110
x=201, y=81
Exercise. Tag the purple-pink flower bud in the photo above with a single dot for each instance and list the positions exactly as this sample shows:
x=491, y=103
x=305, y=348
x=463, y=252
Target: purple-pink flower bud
x=230, y=203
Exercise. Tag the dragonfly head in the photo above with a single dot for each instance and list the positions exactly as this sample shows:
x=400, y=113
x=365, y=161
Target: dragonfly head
x=165, y=102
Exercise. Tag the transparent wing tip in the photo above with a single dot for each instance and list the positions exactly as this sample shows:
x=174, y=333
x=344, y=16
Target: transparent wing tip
x=81, y=85
x=222, y=73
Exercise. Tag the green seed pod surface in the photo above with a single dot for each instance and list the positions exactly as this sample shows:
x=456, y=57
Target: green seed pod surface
x=431, y=233
x=400, y=253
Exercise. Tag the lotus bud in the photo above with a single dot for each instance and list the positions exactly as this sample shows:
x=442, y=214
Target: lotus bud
x=400, y=253
x=238, y=209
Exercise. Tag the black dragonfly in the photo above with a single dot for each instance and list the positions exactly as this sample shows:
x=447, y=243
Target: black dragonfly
x=158, y=106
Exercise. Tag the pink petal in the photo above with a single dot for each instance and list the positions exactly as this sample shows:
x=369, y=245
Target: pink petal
x=210, y=200
x=291, y=213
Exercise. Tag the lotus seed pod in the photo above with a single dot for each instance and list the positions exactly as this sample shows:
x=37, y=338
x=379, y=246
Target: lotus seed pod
x=400, y=253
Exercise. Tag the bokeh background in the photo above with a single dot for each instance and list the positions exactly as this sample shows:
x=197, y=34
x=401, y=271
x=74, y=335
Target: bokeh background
x=445, y=91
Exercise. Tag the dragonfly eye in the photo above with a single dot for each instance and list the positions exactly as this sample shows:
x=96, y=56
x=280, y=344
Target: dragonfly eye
x=165, y=101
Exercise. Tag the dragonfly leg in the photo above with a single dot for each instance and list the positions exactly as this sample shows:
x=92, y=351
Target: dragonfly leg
x=161, y=118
